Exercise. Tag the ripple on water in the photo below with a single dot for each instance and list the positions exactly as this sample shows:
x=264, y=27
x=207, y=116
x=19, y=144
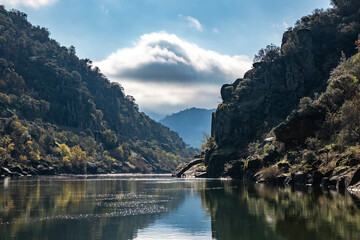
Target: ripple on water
x=139, y=209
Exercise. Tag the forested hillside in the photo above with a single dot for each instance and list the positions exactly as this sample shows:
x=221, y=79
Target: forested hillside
x=59, y=110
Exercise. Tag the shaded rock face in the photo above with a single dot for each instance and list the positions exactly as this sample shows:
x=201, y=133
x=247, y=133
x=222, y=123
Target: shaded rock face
x=300, y=126
x=256, y=103
x=266, y=95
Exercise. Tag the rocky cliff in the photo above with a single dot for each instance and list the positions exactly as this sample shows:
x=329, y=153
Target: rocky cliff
x=271, y=90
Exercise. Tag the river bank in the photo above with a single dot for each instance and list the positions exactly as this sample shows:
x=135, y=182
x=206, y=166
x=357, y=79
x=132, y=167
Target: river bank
x=332, y=179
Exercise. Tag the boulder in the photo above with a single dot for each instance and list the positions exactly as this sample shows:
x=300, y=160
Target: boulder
x=226, y=91
x=324, y=182
x=18, y=170
x=300, y=178
x=44, y=170
x=16, y=174
x=341, y=184
x=254, y=164
x=300, y=126
x=317, y=177
x=197, y=170
x=5, y=171
x=333, y=181
x=355, y=178
x=33, y=172
x=180, y=170
x=117, y=167
x=100, y=171
x=280, y=180
x=200, y=174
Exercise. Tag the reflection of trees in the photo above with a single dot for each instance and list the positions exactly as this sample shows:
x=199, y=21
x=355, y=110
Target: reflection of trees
x=63, y=209
x=266, y=212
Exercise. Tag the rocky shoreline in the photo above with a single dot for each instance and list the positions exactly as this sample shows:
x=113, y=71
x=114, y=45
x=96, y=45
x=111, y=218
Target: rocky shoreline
x=44, y=169
x=340, y=180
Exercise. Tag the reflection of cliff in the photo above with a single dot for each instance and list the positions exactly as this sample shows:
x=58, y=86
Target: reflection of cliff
x=86, y=209
x=231, y=219
x=315, y=215
x=264, y=212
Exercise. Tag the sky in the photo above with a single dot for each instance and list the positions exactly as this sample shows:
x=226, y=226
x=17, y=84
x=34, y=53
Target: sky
x=169, y=54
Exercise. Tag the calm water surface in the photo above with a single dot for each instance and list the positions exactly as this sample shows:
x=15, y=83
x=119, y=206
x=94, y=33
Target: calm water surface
x=161, y=207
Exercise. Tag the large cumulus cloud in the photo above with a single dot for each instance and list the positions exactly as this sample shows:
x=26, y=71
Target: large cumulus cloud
x=165, y=73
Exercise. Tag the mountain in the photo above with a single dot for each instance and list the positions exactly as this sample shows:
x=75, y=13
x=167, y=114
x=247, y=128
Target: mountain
x=58, y=111
x=292, y=92
x=191, y=124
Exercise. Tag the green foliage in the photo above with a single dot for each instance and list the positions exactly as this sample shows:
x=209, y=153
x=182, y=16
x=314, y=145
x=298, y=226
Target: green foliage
x=78, y=158
x=253, y=148
x=304, y=102
x=269, y=54
x=209, y=143
x=270, y=173
x=65, y=153
x=4, y=99
x=109, y=139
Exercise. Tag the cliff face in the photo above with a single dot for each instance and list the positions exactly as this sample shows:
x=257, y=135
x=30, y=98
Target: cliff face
x=255, y=104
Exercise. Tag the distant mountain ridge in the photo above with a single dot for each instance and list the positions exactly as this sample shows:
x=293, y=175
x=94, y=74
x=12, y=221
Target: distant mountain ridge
x=191, y=125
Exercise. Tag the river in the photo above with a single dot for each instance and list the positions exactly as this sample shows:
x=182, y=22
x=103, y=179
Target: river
x=160, y=207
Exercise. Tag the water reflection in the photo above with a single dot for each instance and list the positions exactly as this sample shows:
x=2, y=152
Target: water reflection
x=159, y=207
x=268, y=212
x=62, y=208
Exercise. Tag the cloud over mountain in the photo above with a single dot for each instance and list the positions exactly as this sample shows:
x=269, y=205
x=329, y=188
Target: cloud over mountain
x=163, y=57
x=163, y=71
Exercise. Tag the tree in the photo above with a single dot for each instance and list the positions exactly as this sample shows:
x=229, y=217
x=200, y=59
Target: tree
x=65, y=153
x=109, y=139
x=270, y=54
x=350, y=118
x=78, y=158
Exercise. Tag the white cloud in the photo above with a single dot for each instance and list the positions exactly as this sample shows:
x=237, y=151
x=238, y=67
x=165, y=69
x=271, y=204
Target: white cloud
x=215, y=30
x=166, y=74
x=27, y=3
x=192, y=22
x=168, y=98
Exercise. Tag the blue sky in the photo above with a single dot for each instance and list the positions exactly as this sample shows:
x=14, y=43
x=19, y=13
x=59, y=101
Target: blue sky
x=168, y=54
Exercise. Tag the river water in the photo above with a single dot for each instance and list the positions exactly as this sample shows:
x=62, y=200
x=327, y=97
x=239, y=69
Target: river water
x=160, y=207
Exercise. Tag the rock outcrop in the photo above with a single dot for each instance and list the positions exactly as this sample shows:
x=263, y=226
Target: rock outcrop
x=299, y=126
x=194, y=168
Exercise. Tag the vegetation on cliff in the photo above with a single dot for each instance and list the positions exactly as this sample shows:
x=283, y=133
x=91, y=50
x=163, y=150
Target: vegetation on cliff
x=73, y=114
x=284, y=87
